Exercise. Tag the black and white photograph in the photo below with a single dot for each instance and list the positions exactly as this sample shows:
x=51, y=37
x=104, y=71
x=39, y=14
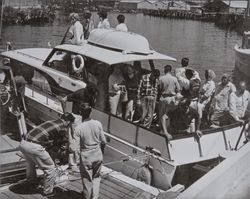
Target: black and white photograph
x=124, y=99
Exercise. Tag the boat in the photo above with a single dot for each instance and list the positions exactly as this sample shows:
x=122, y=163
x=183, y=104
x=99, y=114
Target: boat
x=130, y=146
x=242, y=58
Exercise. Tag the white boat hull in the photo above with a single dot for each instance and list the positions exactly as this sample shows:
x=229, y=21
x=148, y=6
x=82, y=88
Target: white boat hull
x=242, y=60
x=132, y=140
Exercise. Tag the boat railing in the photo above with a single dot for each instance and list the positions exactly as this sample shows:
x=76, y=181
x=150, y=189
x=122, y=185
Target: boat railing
x=183, y=149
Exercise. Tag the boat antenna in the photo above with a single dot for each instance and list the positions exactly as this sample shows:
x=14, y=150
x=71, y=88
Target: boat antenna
x=65, y=35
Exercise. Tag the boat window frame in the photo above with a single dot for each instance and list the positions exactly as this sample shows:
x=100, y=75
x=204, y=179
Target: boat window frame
x=52, y=53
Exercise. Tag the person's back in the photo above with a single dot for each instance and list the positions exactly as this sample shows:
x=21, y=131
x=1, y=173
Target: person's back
x=46, y=133
x=91, y=134
x=168, y=84
x=89, y=138
x=121, y=26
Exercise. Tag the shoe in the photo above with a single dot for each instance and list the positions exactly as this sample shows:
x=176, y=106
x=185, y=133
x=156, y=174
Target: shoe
x=51, y=194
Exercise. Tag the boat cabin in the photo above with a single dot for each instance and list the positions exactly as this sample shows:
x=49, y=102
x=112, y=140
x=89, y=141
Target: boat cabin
x=68, y=68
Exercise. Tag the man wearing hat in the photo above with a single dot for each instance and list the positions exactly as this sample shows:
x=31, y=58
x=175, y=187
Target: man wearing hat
x=34, y=148
x=76, y=29
x=90, y=140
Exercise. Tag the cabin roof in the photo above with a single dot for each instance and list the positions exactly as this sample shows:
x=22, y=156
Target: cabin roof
x=111, y=57
x=113, y=47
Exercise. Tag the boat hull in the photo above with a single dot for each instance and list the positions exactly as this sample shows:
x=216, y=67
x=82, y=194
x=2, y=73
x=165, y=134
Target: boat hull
x=122, y=154
x=242, y=60
x=129, y=141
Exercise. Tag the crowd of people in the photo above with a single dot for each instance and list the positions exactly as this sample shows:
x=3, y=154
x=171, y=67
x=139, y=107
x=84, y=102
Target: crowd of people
x=179, y=99
x=78, y=32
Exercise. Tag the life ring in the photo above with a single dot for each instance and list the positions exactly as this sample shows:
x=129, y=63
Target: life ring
x=75, y=68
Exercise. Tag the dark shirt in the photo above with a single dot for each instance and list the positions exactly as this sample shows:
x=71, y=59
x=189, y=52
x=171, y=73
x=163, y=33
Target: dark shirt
x=131, y=86
x=47, y=133
x=180, y=120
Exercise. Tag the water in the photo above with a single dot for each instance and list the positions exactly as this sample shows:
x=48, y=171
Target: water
x=206, y=45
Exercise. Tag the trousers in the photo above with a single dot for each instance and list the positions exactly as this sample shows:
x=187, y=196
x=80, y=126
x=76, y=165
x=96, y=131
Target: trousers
x=35, y=154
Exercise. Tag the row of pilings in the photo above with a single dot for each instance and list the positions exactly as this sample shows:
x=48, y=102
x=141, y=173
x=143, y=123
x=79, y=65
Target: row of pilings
x=229, y=21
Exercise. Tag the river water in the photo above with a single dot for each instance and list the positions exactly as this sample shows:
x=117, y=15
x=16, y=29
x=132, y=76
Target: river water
x=206, y=45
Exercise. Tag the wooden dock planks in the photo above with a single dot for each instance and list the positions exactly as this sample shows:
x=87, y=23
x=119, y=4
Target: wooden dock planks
x=111, y=188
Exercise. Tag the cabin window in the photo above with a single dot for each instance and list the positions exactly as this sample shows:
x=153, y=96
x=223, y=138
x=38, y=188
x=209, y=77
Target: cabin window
x=60, y=61
x=40, y=82
x=70, y=63
x=21, y=70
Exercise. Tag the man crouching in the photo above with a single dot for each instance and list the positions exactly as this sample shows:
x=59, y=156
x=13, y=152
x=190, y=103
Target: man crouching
x=34, y=149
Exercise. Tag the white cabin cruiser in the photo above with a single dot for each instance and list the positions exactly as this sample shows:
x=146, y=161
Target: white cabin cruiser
x=50, y=73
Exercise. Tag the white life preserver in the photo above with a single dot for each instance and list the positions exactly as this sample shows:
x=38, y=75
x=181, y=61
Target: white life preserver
x=80, y=68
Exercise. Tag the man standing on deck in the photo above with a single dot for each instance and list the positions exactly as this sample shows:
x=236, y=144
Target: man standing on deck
x=168, y=89
x=146, y=96
x=45, y=136
x=90, y=140
x=220, y=103
x=238, y=102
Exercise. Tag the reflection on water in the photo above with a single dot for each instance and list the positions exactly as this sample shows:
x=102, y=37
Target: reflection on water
x=206, y=45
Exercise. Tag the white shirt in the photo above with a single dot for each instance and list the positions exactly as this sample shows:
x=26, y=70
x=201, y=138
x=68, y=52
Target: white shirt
x=238, y=104
x=76, y=30
x=122, y=27
x=182, y=79
x=104, y=24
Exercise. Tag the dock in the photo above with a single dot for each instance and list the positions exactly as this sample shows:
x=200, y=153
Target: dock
x=114, y=185
x=111, y=188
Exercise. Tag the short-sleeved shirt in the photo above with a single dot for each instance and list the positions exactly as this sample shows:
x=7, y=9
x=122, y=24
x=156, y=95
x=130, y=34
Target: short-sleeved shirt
x=47, y=133
x=168, y=85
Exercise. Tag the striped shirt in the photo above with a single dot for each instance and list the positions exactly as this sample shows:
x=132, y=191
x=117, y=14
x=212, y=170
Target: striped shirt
x=145, y=87
x=47, y=133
